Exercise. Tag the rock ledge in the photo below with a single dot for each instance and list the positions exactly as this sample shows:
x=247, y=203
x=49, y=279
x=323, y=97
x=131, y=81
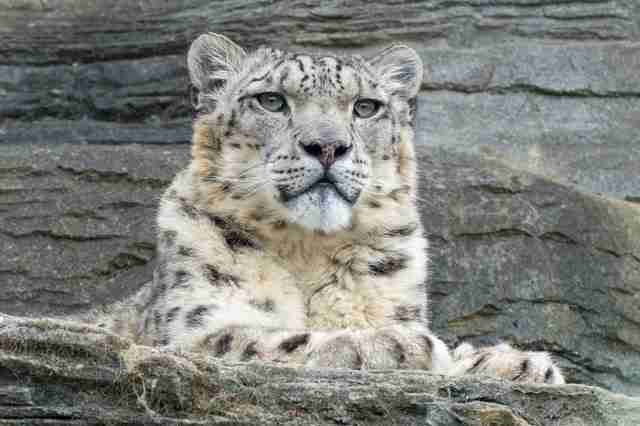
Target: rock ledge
x=63, y=373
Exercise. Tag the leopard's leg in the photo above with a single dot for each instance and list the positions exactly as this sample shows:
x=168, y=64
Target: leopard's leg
x=506, y=362
x=394, y=347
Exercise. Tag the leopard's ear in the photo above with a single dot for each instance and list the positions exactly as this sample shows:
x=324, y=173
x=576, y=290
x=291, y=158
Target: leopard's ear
x=401, y=69
x=212, y=60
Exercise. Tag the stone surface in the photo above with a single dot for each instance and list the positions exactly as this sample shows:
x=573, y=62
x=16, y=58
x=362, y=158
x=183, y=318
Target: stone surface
x=546, y=85
x=76, y=223
x=54, y=373
x=515, y=256
x=592, y=143
x=535, y=262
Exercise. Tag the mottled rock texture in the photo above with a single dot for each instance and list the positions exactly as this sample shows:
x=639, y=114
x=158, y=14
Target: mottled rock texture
x=68, y=374
x=535, y=262
x=548, y=85
x=95, y=120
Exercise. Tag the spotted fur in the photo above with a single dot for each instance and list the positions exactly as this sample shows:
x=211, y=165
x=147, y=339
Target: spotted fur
x=293, y=235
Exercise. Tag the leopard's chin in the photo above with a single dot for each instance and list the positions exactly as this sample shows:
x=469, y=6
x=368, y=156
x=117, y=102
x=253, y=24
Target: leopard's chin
x=321, y=208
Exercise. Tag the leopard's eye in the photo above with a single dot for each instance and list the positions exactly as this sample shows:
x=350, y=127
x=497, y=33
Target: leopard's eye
x=273, y=102
x=366, y=108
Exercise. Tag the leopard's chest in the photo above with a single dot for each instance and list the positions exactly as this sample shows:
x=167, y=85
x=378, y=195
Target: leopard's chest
x=343, y=301
x=321, y=297
x=361, y=291
x=336, y=294
x=335, y=285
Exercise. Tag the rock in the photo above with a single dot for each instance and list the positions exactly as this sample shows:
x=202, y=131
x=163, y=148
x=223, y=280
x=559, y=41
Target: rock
x=76, y=223
x=534, y=262
x=123, y=91
x=546, y=86
x=52, y=132
x=589, y=142
x=59, y=373
x=67, y=32
x=515, y=256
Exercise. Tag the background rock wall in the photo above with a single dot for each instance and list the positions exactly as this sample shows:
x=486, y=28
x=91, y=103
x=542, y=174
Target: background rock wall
x=94, y=121
x=550, y=86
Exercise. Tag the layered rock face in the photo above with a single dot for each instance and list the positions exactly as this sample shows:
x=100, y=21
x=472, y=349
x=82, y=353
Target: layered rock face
x=529, y=146
x=549, y=86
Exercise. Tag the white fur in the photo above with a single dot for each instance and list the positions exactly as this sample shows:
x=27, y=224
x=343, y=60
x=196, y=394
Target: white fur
x=321, y=209
x=441, y=362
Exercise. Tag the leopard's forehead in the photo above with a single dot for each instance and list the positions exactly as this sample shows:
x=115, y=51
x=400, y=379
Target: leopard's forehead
x=305, y=75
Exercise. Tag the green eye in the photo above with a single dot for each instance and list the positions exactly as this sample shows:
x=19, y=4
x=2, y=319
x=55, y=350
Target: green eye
x=273, y=102
x=366, y=108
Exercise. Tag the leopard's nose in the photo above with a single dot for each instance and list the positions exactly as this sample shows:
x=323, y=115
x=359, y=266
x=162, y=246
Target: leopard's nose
x=326, y=152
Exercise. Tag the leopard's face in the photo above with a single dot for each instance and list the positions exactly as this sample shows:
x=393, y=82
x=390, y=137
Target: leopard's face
x=305, y=135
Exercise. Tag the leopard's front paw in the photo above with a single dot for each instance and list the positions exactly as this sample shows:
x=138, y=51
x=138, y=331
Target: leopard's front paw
x=385, y=348
x=508, y=363
x=336, y=350
x=401, y=347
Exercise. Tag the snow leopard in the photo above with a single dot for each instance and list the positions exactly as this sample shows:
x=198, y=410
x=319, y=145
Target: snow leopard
x=293, y=235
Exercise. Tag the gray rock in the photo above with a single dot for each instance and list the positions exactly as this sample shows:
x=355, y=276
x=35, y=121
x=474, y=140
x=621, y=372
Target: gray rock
x=76, y=223
x=138, y=90
x=536, y=263
x=59, y=373
x=553, y=84
x=126, y=29
x=592, y=143
x=573, y=70
x=53, y=132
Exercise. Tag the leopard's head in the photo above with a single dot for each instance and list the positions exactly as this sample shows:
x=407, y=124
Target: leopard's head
x=303, y=139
